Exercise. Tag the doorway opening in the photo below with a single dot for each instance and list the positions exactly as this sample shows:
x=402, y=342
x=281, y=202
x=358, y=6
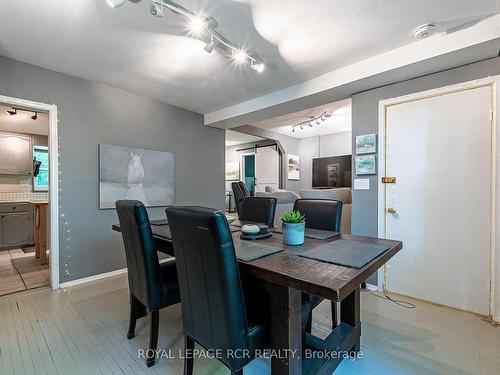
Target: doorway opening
x=28, y=196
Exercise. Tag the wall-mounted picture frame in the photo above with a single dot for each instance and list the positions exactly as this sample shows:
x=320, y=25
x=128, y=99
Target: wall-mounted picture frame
x=366, y=165
x=293, y=167
x=366, y=144
x=232, y=171
x=135, y=173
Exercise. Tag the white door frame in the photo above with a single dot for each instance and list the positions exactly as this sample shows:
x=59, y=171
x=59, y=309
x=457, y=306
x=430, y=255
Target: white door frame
x=53, y=180
x=383, y=104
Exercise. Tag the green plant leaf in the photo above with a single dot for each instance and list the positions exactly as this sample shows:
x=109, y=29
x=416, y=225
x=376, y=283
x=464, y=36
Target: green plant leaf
x=293, y=217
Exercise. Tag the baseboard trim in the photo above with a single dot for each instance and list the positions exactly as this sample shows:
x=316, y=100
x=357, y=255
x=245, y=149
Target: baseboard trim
x=372, y=287
x=89, y=279
x=100, y=276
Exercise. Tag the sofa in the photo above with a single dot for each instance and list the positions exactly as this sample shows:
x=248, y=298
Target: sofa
x=340, y=194
x=285, y=200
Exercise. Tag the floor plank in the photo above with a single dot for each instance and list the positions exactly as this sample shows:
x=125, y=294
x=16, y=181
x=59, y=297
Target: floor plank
x=82, y=330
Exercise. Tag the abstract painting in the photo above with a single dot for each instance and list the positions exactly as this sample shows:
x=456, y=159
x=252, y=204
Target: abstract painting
x=365, y=165
x=366, y=144
x=293, y=167
x=232, y=171
x=134, y=173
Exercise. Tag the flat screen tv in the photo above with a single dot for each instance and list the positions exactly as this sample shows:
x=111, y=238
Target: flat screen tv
x=332, y=172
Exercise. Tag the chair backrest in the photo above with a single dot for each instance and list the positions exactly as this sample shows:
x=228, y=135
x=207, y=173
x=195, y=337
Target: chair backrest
x=322, y=214
x=142, y=260
x=213, y=309
x=240, y=191
x=257, y=209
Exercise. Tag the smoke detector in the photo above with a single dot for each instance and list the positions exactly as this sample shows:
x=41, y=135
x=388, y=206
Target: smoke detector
x=424, y=31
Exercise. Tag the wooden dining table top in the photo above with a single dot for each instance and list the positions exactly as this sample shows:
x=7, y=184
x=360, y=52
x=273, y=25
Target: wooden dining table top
x=287, y=268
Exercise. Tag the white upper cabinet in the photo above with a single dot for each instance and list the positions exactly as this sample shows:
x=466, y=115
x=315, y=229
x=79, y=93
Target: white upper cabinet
x=16, y=155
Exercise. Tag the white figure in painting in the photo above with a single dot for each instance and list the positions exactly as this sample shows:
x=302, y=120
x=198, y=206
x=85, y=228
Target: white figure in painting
x=135, y=179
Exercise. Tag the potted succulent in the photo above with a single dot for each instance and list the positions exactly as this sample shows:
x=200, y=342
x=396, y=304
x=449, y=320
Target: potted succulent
x=294, y=224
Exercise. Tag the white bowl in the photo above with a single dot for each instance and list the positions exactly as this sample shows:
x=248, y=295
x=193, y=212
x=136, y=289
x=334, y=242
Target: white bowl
x=250, y=229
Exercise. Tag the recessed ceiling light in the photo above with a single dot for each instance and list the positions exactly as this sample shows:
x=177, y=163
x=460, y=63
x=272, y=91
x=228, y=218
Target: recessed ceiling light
x=424, y=31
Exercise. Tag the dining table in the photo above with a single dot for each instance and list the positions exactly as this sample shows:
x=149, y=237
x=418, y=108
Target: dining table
x=288, y=275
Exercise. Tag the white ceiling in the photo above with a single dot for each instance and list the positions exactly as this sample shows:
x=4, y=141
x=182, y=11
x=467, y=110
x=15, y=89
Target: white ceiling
x=236, y=138
x=128, y=48
x=23, y=123
x=339, y=122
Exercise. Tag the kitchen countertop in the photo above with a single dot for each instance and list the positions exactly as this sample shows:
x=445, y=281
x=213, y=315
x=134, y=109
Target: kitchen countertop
x=26, y=201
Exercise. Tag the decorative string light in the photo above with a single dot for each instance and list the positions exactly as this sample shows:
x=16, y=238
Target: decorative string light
x=204, y=28
x=312, y=120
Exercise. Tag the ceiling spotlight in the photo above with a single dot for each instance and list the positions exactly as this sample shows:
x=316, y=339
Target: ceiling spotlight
x=258, y=67
x=115, y=3
x=301, y=127
x=35, y=116
x=310, y=124
x=197, y=25
x=155, y=9
x=293, y=129
x=318, y=122
x=12, y=112
x=239, y=56
x=327, y=115
x=210, y=45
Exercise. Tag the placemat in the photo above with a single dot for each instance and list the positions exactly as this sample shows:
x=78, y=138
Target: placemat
x=159, y=222
x=346, y=253
x=251, y=250
x=162, y=231
x=316, y=234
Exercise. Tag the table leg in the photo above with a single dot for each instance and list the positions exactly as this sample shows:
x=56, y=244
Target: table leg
x=37, y=226
x=349, y=312
x=286, y=330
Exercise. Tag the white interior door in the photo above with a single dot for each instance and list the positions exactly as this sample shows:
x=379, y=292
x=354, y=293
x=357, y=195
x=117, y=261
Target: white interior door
x=266, y=168
x=439, y=149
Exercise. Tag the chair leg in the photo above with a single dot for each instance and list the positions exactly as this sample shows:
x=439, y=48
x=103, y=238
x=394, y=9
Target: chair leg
x=153, y=336
x=137, y=310
x=188, y=358
x=239, y=372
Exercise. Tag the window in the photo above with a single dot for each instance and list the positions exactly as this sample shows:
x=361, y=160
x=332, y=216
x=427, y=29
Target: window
x=41, y=181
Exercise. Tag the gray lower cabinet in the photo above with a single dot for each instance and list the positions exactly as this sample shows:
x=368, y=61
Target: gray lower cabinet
x=16, y=228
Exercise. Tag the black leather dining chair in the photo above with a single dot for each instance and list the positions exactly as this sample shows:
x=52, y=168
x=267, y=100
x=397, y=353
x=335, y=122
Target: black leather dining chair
x=257, y=210
x=216, y=313
x=152, y=285
x=324, y=214
x=240, y=191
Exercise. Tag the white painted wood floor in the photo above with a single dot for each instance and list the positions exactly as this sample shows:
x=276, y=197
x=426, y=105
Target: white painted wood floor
x=82, y=330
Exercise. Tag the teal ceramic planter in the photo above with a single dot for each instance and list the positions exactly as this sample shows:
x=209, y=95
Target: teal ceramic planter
x=293, y=233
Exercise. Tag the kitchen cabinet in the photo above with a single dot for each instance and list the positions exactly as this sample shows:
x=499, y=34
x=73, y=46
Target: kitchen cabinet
x=16, y=154
x=16, y=224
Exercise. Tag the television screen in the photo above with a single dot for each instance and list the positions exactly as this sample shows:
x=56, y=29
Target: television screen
x=332, y=172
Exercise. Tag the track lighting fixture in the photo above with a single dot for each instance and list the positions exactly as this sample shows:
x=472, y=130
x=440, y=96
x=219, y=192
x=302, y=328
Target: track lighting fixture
x=35, y=116
x=201, y=27
x=12, y=112
x=312, y=120
x=210, y=45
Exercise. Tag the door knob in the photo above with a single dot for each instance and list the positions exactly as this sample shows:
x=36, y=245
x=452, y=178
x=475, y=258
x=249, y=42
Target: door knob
x=391, y=210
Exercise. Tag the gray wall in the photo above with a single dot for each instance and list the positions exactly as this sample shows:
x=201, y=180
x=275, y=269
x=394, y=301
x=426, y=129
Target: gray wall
x=365, y=121
x=91, y=113
x=317, y=147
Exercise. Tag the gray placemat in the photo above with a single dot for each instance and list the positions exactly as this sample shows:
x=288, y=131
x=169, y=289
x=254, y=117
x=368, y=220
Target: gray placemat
x=162, y=231
x=346, y=253
x=158, y=222
x=251, y=250
x=316, y=234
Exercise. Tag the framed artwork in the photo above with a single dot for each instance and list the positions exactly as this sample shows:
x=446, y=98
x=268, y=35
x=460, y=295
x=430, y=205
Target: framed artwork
x=134, y=173
x=365, y=165
x=366, y=144
x=232, y=171
x=293, y=167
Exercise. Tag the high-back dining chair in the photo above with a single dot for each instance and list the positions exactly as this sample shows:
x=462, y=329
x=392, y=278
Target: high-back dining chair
x=213, y=302
x=257, y=210
x=240, y=191
x=324, y=214
x=152, y=285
